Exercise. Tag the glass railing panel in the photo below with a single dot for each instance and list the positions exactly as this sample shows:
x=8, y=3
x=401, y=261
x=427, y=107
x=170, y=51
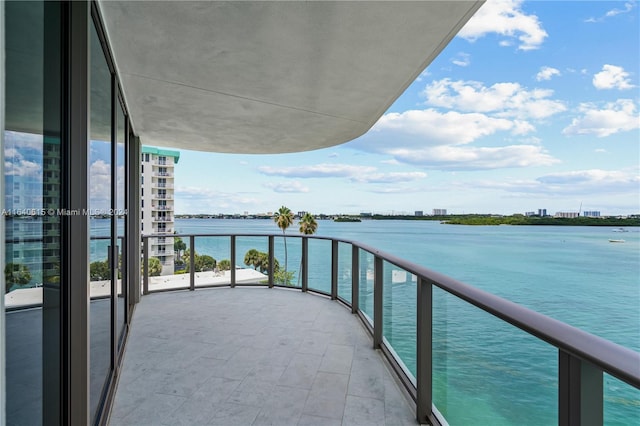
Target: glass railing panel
x=288, y=256
x=168, y=259
x=345, y=270
x=399, y=314
x=486, y=371
x=621, y=402
x=320, y=265
x=212, y=262
x=365, y=294
x=252, y=260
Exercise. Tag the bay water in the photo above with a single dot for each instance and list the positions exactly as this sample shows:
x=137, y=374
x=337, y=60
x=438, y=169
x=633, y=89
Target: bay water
x=485, y=371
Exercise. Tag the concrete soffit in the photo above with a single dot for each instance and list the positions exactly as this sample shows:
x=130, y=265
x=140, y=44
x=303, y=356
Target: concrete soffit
x=271, y=77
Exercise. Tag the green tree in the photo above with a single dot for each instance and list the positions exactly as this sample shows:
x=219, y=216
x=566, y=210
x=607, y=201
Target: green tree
x=99, y=270
x=251, y=258
x=308, y=224
x=204, y=263
x=178, y=246
x=224, y=265
x=155, y=267
x=16, y=274
x=284, y=218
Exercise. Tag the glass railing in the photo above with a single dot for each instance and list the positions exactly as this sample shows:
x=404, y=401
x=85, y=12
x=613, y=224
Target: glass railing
x=457, y=350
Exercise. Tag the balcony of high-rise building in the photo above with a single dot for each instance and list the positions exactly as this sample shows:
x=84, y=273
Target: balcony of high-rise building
x=95, y=334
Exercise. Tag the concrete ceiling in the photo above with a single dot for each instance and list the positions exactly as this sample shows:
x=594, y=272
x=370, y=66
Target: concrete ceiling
x=271, y=77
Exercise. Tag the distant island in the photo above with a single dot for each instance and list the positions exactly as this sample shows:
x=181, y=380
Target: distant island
x=465, y=219
x=347, y=219
x=517, y=219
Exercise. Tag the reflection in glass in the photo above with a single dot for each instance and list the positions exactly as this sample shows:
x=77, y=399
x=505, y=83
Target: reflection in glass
x=320, y=265
x=345, y=269
x=120, y=223
x=31, y=184
x=399, y=313
x=100, y=203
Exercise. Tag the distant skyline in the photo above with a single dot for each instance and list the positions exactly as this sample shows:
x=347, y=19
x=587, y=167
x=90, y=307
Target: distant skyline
x=534, y=105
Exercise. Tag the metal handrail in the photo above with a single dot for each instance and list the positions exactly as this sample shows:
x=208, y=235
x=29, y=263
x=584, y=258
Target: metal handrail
x=581, y=354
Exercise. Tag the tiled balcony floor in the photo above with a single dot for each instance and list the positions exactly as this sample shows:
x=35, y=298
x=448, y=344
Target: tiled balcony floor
x=253, y=356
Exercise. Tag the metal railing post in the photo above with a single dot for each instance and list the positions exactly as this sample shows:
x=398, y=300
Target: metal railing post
x=233, y=261
x=305, y=264
x=424, y=366
x=145, y=265
x=271, y=260
x=580, y=394
x=378, y=281
x=355, y=279
x=334, y=269
x=192, y=262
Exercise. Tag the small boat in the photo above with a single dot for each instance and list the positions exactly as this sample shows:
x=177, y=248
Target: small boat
x=620, y=230
x=616, y=241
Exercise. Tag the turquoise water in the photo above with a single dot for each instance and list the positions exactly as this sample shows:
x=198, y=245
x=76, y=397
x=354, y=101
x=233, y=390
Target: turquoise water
x=482, y=365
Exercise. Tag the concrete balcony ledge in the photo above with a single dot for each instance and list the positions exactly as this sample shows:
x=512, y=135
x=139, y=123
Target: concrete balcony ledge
x=253, y=356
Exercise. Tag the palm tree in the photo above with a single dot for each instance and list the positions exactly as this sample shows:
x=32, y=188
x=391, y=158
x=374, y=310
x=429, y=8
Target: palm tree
x=251, y=258
x=284, y=218
x=308, y=224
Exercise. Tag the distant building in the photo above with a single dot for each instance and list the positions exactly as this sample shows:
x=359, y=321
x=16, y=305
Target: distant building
x=591, y=213
x=366, y=214
x=569, y=215
x=156, y=197
x=439, y=212
x=542, y=212
x=301, y=213
x=529, y=214
x=419, y=213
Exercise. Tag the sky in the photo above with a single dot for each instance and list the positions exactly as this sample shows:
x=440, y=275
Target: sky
x=534, y=104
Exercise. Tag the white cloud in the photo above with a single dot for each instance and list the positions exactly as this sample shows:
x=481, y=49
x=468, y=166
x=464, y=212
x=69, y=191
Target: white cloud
x=206, y=200
x=430, y=127
x=476, y=158
x=394, y=177
x=22, y=168
x=502, y=99
x=546, y=73
x=317, y=170
x=100, y=185
x=287, y=187
x=462, y=59
x=628, y=7
x=505, y=17
x=612, y=77
x=600, y=150
x=580, y=182
x=615, y=117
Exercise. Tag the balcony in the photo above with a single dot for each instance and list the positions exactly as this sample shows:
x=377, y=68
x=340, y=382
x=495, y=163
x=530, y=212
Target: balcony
x=163, y=196
x=253, y=356
x=164, y=174
x=164, y=231
x=236, y=370
x=161, y=208
x=162, y=185
x=162, y=163
x=163, y=219
x=158, y=252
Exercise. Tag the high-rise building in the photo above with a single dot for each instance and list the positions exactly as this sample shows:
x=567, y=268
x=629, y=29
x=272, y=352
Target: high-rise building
x=419, y=213
x=542, y=212
x=439, y=212
x=156, y=202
